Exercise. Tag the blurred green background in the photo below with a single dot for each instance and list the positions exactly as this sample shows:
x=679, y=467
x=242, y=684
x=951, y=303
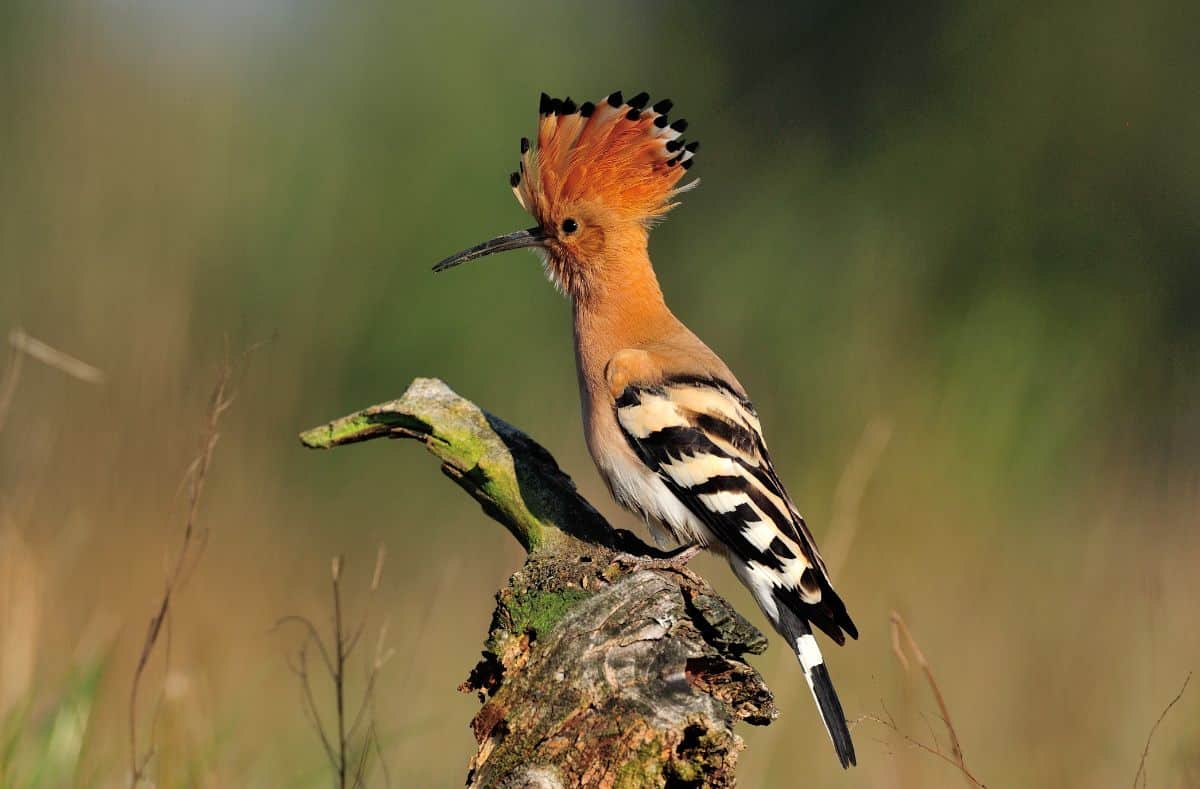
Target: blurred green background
x=952, y=251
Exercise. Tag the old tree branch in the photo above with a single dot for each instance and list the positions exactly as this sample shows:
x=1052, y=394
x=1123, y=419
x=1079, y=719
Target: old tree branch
x=599, y=669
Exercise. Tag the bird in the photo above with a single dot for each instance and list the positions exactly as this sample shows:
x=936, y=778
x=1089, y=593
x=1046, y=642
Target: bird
x=670, y=428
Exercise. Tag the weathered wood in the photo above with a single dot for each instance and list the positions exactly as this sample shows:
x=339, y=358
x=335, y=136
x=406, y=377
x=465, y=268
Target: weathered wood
x=604, y=665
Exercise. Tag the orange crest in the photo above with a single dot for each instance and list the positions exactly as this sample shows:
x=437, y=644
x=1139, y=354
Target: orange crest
x=614, y=153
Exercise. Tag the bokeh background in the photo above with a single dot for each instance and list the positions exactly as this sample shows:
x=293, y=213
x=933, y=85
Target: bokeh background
x=951, y=250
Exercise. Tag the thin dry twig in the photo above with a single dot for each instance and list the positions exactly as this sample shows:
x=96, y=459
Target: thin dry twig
x=376, y=577
x=313, y=636
x=901, y=637
x=23, y=345
x=52, y=357
x=348, y=754
x=1142, y=773
x=382, y=656
x=191, y=546
x=360, y=771
x=8, y=387
x=310, y=704
x=899, y=625
x=913, y=742
x=339, y=676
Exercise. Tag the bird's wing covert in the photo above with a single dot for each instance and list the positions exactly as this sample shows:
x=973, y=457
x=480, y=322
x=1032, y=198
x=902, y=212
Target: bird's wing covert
x=703, y=438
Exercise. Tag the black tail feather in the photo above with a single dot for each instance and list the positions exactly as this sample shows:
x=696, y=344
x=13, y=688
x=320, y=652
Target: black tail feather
x=831, y=712
x=803, y=643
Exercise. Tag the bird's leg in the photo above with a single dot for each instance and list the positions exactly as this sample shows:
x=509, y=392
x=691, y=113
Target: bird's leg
x=675, y=559
x=682, y=554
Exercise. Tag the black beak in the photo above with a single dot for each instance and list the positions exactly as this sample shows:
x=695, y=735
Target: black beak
x=522, y=239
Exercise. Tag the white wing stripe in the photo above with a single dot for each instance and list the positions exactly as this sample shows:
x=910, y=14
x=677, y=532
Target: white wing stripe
x=652, y=414
x=706, y=400
x=760, y=533
x=724, y=501
x=692, y=470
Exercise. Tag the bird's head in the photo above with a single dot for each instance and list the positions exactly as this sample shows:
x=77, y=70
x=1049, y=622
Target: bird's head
x=595, y=180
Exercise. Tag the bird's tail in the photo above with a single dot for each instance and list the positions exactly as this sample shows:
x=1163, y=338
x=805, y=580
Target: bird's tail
x=804, y=644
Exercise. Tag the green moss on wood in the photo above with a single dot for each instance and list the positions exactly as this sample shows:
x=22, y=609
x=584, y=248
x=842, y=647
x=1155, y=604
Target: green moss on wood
x=507, y=760
x=361, y=426
x=645, y=769
x=536, y=612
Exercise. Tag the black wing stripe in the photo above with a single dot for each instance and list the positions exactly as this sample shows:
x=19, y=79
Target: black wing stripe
x=729, y=527
x=738, y=436
x=687, y=435
x=672, y=443
x=722, y=483
x=780, y=549
x=831, y=619
x=698, y=442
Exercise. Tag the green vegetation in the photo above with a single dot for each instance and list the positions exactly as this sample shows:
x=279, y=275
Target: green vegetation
x=42, y=747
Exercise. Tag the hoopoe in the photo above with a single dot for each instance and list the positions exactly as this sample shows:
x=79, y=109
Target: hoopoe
x=670, y=428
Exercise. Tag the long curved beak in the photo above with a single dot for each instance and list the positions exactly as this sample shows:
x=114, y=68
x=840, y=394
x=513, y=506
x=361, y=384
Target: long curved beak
x=522, y=239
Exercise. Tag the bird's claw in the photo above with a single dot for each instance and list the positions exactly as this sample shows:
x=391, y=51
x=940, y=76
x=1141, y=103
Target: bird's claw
x=675, y=560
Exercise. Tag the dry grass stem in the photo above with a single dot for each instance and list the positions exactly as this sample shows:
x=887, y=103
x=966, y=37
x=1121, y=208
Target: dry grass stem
x=913, y=742
x=191, y=547
x=1141, y=770
x=23, y=345
x=348, y=754
x=52, y=357
x=900, y=630
x=8, y=386
x=904, y=644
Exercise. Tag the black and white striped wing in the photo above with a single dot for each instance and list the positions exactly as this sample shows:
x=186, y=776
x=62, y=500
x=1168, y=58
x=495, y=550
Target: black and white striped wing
x=704, y=440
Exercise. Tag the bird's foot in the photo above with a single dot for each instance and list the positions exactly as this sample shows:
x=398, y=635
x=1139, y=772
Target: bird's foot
x=676, y=560
x=683, y=554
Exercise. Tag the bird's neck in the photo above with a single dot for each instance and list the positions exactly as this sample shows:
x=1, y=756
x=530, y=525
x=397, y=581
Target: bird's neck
x=624, y=310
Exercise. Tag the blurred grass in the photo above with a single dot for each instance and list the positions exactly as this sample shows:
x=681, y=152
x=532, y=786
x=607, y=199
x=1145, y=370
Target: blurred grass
x=43, y=750
x=978, y=224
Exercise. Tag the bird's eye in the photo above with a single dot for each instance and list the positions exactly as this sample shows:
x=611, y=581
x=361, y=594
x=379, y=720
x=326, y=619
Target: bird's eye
x=569, y=226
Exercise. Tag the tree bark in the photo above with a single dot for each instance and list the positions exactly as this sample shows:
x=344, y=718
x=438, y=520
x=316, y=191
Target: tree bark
x=605, y=665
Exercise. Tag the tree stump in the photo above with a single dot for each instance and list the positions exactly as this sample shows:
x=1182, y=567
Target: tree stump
x=603, y=667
